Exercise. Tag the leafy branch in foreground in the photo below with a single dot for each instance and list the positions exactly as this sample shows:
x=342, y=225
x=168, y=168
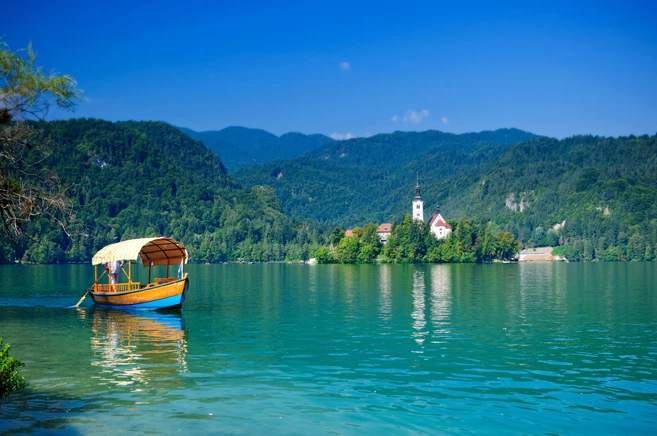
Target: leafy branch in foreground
x=10, y=381
x=27, y=94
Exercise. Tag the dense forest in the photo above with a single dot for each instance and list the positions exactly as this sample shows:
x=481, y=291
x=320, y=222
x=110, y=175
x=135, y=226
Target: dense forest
x=139, y=179
x=594, y=196
x=241, y=147
x=372, y=179
x=412, y=242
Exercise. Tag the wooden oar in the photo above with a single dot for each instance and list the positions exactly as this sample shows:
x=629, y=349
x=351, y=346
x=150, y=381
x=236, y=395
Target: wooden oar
x=88, y=290
x=82, y=299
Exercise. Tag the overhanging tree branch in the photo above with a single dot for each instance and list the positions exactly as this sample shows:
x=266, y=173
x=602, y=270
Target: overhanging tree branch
x=27, y=190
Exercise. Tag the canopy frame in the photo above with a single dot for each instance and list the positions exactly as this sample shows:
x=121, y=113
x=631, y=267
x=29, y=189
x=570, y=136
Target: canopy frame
x=151, y=251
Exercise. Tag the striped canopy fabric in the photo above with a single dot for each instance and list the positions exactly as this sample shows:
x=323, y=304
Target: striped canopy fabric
x=152, y=251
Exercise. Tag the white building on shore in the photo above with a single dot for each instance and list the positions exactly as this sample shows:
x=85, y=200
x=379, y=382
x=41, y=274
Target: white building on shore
x=439, y=226
x=418, y=204
x=437, y=223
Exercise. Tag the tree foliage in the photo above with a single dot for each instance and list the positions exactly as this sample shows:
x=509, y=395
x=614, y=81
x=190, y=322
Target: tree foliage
x=139, y=179
x=372, y=179
x=595, y=195
x=411, y=241
x=27, y=189
x=10, y=380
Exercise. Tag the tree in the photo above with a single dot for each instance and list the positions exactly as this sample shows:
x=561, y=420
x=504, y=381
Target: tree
x=10, y=381
x=408, y=241
x=507, y=246
x=347, y=250
x=370, y=246
x=486, y=244
x=323, y=255
x=337, y=235
x=28, y=191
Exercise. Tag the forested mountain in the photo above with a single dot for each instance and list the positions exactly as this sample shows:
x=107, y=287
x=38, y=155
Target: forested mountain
x=241, y=147
x=596, y=195
x=140, y=179
x=372, y=179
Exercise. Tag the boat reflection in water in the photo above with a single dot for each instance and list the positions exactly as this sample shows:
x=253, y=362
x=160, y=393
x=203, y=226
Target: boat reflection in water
x=144, y=350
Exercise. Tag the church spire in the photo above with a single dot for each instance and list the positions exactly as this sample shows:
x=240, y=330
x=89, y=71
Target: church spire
x=418, y=204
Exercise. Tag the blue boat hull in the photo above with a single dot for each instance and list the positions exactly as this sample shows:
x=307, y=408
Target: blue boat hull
x=174, y=302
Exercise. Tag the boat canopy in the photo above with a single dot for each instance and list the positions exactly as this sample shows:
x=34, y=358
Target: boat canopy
x=152, y=251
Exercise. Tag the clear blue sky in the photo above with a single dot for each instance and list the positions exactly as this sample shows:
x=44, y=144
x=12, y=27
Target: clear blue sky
x=360, y=68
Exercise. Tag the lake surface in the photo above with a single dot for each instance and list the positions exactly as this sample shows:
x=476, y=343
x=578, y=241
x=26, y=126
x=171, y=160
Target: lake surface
x=546, y=348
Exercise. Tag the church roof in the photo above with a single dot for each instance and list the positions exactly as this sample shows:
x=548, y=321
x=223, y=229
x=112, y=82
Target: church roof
x=438, y=221
x=384, y=228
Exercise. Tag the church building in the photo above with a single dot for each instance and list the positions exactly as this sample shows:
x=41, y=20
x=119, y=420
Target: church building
x=418, y=204
x=437, y=223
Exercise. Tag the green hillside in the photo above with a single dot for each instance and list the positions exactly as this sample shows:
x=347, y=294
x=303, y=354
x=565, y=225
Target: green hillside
x=604, y=191
x=595, y=196
x=241, y=147
x=140, y=179
x=372, y=179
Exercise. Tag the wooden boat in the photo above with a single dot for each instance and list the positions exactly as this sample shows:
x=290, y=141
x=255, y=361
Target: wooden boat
x=159, y=293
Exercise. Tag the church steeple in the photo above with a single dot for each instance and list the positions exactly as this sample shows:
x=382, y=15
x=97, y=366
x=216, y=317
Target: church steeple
x=418, y=204
x=417, y=187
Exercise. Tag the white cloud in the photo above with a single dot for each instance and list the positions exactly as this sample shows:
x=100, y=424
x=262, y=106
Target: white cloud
x=345, y=66
x=394, y=118
x=444, y=120
x=340, y=136
x=415, y=117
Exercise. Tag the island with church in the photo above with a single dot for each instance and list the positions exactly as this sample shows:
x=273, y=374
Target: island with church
x=415, y=241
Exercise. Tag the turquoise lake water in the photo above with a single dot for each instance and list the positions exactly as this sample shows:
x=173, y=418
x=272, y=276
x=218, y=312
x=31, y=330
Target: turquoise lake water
x=547, y=348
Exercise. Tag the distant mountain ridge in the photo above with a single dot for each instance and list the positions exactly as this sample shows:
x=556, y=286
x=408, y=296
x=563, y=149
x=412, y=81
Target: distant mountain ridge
x=372, y=179
x=241, y=147
x=595, y=196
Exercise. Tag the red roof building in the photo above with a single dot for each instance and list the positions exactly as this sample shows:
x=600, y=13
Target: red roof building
x=439, y=226
x=384, y=228
x=384, y=231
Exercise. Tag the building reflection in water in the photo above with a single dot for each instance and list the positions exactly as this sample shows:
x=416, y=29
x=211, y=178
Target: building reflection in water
x=418, y=315
x=385, y=288
x=542, y=287
x=138, y=349
x=439, y=304
x=441, y=299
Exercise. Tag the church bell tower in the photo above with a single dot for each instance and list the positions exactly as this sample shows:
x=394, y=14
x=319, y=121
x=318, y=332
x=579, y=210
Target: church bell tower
x=418, y=204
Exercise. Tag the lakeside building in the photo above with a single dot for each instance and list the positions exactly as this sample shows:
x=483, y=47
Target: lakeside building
x=384, y=231
x=537, y=254
x=437, y=224
x=418, y=204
